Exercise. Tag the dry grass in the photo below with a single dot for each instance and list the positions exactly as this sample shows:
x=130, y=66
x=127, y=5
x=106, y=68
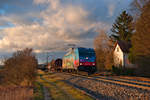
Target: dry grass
x=58, y=89
x=16, y=93
x=61, y=91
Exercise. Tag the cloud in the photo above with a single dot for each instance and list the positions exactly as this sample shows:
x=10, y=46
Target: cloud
x=51, y=29
x=53, y=25
x=111, y=9
x=40, y=1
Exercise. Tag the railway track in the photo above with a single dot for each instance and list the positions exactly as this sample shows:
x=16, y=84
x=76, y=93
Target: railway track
x=65, y=91
x=144, y=85
x=136, y=82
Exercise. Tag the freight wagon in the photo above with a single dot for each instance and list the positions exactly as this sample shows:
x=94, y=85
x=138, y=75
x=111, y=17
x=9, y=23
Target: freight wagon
x=80, y=59
x=58, y=64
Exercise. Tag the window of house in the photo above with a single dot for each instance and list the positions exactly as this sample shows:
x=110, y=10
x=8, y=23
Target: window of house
x=117, y=49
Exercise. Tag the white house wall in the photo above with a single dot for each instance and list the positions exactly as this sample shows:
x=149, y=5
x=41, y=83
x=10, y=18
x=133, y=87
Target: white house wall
x=118, y=56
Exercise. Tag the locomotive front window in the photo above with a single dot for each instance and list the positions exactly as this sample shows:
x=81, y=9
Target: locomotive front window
x=87, y=54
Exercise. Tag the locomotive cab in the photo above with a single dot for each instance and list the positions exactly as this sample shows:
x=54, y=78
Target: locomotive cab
x=87, y=60
x=81, y=59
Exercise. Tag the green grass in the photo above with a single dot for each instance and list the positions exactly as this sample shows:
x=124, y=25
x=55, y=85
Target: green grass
x=38, y=91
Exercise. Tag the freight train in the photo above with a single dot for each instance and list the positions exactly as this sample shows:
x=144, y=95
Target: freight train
x=80, y=59
x=58, y=64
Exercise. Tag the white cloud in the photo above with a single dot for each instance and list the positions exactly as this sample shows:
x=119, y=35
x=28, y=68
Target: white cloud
x=60, y=25
x=40, y=1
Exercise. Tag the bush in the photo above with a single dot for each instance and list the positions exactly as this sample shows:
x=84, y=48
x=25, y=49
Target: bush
x=123, y=71
x=143, y=66
x=116, y=70
x=20, y=69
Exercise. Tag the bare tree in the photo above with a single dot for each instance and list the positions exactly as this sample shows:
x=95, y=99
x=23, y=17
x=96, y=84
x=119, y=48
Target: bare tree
x=137, y=6
x=141, y=41
x=103, y=48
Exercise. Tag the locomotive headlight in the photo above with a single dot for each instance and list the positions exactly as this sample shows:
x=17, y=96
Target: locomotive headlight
x=93, y=64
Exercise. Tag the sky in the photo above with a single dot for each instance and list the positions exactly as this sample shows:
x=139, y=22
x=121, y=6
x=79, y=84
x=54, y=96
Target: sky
x=53, y=25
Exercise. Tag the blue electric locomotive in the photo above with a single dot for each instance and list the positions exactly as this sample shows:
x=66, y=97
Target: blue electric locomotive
x=82, y=59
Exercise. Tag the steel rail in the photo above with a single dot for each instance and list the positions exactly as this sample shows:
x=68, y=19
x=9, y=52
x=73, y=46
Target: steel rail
x=122, y=82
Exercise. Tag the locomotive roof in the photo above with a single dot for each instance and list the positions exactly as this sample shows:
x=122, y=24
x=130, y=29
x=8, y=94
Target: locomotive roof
x=86, y=49
x=80, y=49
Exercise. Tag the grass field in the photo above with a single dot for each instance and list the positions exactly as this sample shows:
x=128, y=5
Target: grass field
x=59, y=90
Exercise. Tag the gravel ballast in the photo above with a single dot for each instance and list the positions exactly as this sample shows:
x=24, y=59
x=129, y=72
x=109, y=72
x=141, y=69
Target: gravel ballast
x=106, y=90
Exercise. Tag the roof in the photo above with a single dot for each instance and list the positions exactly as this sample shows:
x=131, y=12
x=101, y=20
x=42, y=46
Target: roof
x=125, y=46
x=81, y=49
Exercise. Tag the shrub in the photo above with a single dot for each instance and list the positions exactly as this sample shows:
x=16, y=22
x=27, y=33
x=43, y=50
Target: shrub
x=123, y=71
x=20, y=69
x=143, y=66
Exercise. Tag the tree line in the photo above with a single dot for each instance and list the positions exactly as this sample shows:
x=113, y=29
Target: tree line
x=132, y=28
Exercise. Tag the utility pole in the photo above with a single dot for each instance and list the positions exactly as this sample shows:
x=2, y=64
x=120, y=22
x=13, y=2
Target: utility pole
x=47, y=57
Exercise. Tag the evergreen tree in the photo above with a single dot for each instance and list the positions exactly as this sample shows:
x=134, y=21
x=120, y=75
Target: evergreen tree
x=122, y=28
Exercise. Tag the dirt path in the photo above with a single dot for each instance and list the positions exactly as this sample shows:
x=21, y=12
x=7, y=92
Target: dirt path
x=55, y=88
x=46, y=94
